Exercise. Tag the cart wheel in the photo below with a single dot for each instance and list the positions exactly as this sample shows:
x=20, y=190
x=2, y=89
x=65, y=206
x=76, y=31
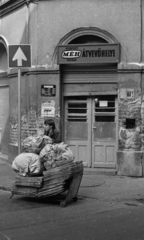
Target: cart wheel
x=75, y=199
x=63, y=203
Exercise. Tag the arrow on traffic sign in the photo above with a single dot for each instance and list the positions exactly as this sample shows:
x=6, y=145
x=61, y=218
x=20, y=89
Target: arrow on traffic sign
x=19, y=56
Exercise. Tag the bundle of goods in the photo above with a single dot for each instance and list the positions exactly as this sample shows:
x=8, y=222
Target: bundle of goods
x=52, y=154
x=26, y=164
x=48, y=173
x=34, y=144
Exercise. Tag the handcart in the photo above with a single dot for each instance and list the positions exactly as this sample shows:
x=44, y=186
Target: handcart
x=65, y=177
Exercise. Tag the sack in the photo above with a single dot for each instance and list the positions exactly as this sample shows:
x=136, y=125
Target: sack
x=47, y=153
x=31, y=144
x=51, y=154
x=34, y=144
x=27, y=164
x=63, y=152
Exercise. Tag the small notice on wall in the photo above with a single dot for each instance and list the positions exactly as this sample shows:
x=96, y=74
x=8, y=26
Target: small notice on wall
x=48, y=90
x=126, y=93
x=103, y=103
x=130, y=93
x=48, y=109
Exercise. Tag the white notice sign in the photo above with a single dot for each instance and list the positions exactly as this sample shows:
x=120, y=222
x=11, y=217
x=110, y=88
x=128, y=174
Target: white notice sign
x=103, y=103
x=48, y=109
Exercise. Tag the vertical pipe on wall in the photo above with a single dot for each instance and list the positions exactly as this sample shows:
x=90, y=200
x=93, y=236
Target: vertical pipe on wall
x=141, y=59
x=141, y=36
x=26, y=79
x=141, y=28
x=27, y=21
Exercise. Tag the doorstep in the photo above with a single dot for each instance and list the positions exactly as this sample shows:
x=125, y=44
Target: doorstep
x=100, y=171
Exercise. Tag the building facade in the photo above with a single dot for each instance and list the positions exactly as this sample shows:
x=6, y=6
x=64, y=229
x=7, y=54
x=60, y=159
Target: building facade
x=87, y=74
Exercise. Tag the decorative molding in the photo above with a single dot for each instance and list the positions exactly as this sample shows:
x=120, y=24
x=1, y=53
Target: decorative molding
x=29, y=71
x=130, y=71
x=87, y=31
x=4, y=42
x=3, y=74
x=11, y=5
x=81, y=32
x=4, y=85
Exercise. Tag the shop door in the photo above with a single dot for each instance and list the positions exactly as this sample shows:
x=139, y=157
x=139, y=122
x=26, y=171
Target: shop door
x=104, y=125
x=90, y=129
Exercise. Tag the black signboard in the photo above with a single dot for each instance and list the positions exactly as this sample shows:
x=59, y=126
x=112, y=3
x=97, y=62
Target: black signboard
x=48, y=90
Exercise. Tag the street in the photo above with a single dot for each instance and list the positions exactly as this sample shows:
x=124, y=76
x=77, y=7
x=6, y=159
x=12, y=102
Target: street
x=87, y=219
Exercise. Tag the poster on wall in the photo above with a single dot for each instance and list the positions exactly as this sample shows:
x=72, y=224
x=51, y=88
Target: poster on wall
x=48, y=109
x=126, y=93
x=103, y=103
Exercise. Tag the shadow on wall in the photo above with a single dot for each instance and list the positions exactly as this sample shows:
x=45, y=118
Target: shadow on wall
x=5, y=138
x=4, y=118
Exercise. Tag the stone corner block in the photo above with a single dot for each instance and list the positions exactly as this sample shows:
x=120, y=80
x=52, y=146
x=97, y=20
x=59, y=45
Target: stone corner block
x=129, y=163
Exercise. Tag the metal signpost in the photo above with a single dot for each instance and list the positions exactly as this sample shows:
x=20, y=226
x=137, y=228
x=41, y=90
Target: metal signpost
x=19, y=57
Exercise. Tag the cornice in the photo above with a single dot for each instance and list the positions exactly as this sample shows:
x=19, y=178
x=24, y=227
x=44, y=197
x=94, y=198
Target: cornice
x=31, y=71
x=37, y=71
x=130, y=71
x=3, y=74
x=7, y=7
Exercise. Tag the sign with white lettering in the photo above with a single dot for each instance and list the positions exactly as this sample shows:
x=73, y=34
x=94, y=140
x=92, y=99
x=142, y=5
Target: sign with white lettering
x=19, y=56
x=48, y=90
x=103, y=53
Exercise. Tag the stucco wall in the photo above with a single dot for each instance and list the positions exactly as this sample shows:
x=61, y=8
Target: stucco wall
x=120, y=18
x=44, y=24
x=13, y=27
x=31, y=103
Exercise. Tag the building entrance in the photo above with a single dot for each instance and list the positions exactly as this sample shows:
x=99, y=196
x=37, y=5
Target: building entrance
x=90, y=129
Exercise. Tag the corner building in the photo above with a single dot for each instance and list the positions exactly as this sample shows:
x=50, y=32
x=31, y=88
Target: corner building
x=87, y=74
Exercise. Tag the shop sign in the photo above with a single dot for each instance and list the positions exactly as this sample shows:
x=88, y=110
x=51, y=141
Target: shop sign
x=103, y=53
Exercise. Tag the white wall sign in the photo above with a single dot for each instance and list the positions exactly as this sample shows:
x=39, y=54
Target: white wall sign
x=48, y=109
x=103, y=103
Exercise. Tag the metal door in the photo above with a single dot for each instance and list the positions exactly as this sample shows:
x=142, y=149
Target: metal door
x=90, y=129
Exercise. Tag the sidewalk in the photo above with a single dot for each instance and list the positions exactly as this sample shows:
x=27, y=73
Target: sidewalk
x=100, y=187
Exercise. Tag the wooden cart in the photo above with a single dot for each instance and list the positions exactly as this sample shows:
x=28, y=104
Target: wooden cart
x=66, y=177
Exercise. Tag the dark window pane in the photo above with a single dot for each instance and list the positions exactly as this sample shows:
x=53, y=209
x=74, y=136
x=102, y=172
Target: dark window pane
x=105, y=110
x=77, y=109
x=104, y=118
x=76, y=119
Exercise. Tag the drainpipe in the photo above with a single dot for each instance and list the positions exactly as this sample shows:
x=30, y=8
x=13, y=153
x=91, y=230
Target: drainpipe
x=27, y=21
x=27, y=41
x=141, y=28
x=141, y=59
x=141, y=36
